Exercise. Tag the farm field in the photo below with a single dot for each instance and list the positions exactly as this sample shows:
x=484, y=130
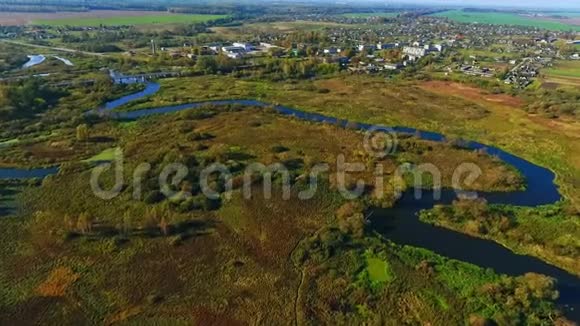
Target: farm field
x=566, y=73
x=568, y=18
x=566, y=13
x=504, y=19
x=27, y=18
x=565, y=69
x=123, y=18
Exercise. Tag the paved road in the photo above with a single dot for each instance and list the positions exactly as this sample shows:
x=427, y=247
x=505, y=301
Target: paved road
x=55, y=48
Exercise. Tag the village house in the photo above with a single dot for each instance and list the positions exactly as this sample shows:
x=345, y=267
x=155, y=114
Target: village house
x=414, y=53
x=366, y=48
x=386, y=46
x=331, y=51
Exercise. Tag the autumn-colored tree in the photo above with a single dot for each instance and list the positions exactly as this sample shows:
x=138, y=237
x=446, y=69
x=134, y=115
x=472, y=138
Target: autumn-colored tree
x=69, y=222
x=351, y=219
x=163, y=225
x=83, y=133
x=127, y=223
x=85, y=223
x=151, y=217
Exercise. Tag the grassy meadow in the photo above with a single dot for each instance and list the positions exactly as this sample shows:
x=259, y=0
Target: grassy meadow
x=254, y=261
x=453, y=109
x=456, y=110
x=497, y=18
x=144, y=19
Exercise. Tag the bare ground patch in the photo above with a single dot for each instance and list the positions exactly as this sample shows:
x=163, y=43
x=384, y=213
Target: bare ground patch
x=470, y=93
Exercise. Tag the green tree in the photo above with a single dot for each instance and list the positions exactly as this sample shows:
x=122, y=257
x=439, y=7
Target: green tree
x=206, y=64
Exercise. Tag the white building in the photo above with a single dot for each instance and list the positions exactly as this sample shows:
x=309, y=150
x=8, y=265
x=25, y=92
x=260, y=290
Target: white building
x=234, y=52
x=438, y=47
x=365, y=48
x=331, y=51
x=246, y=46
x=393, y=66
x=414, y=53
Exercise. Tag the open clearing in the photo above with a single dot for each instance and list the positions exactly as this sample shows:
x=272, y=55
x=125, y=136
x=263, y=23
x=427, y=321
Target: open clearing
x=104, y=17
x=379, y=270
x=472, y=93
x=496, y=18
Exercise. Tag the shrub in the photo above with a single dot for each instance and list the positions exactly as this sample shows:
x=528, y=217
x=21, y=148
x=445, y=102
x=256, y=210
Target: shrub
x=351, y=219
x=154, y=197
x=196, y=136
x=279, y=149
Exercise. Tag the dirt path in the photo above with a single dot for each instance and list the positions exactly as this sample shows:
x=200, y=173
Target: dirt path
x=299, y=291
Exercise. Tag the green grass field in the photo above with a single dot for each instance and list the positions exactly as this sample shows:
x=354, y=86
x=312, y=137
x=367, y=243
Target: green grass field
x=371, y=14
x=563, y=74
x=106, y=155
x=565, y=69
x=379, y=270
x=130, y=20
x=480, y=53
x=503, y=19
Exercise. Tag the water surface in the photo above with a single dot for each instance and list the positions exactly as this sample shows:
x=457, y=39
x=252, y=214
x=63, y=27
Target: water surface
x=34, y=60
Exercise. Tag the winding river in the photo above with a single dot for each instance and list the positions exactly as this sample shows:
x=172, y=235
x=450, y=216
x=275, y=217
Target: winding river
x=401, y=224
